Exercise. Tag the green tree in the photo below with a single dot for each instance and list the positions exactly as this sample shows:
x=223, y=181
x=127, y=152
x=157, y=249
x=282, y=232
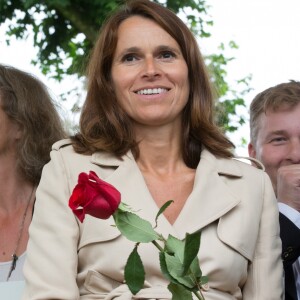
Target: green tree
x=66, y=30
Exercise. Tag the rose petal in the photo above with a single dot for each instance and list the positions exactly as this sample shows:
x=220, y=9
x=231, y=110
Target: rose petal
x=79, y=214
x=99, y=208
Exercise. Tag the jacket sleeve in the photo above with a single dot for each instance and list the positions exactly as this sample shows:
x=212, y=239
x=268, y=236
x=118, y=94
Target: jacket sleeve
x=265, y=277
x=51, y=265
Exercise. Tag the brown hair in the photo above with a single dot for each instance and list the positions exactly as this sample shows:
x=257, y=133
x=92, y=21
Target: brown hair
x=26, y=101
x=281, y=96
x=105, y=126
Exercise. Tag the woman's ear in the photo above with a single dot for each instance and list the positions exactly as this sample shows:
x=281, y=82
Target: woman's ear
x=19, y=129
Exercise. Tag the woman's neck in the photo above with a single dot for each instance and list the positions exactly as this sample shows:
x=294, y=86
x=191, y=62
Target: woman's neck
x=160, y=149
x=14, y=188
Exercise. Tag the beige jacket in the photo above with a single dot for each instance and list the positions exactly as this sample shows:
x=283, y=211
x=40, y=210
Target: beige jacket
x=232, y=202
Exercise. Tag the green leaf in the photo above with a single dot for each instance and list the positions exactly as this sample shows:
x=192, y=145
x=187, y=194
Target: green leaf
x=124, y=207
x=134, y=228
x=164, y=269
x=162, y=209
x=179, y=292
x=195, y=273
x=174, y=245
x=174, y=264
x=134, y=272
x=191, y=249
x=204, y=280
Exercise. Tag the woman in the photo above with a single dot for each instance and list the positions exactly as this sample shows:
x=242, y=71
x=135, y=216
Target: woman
x=147, y=128
x=29, y=125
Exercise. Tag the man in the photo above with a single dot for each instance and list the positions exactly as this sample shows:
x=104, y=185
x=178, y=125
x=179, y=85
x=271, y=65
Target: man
x=275, y=141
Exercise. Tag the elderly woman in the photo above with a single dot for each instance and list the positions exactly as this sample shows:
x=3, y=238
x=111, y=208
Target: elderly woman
x=147, y=129
x=29, y=125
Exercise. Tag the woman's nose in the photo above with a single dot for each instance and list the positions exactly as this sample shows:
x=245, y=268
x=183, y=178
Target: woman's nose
x=151, y=68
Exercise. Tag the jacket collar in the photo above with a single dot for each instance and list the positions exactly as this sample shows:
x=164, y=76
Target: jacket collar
x=227, y=167
x=222, y=166
x=105, y=159
x=210, y=199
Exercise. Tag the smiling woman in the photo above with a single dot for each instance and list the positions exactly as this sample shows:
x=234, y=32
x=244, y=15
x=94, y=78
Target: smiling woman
x=150, y=76
x=147, y=128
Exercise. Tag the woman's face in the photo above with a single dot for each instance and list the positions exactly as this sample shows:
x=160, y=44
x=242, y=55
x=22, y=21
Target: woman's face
x=9, y=133
x=149, y=73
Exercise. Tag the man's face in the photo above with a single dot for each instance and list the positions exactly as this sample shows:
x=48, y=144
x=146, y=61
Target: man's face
x=278, y=140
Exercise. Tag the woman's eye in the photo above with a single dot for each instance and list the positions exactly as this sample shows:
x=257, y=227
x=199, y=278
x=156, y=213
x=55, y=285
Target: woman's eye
x=129, y=58
x=167, y=55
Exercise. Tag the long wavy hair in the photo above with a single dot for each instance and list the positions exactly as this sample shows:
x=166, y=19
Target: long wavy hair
x=104, y=124
x=26, y=102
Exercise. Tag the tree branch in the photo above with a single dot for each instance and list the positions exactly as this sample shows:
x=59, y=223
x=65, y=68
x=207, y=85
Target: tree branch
x=70, y=13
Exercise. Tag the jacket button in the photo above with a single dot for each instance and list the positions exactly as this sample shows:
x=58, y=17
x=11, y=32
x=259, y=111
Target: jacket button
x=205, y=287
x=287, y=253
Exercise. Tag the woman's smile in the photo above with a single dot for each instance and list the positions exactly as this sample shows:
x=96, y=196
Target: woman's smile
x=151, y=91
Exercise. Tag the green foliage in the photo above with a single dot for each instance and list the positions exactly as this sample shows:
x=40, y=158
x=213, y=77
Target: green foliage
x=175, y=262
x=134, y=228
x=64, y=32
x=162, y=209
x=178, y=258
x=179, y=292
x=229, y=98
x=191, y=248
x=134, y=272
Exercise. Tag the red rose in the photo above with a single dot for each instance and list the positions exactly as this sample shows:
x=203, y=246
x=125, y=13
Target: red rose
x=94, y=197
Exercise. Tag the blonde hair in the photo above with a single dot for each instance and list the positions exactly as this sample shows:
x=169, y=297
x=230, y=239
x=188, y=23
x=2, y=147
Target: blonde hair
x=281, y=96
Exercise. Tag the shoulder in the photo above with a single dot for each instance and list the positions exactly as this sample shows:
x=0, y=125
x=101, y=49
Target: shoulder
x=64, y=148
x=248, y=165
x=64, y=156
x=240, y=167
x=250, y=161
x=253, y=171
x=62, y=144
x=233, y=171
x=243, y=176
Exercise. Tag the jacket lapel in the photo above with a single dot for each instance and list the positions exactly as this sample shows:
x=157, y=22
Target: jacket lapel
x=128, y=179
x=210, y=199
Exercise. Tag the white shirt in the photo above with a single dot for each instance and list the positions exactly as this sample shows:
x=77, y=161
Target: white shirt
x=294, y=216
x=11, y=290
x=17, y=274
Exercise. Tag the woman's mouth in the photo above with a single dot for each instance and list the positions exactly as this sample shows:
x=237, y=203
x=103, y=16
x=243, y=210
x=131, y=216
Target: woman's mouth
x=154, y=91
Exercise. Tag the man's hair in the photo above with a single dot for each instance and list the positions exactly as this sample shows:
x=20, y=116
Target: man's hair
x=26, y=102
x=281, y=96
x=104, y=125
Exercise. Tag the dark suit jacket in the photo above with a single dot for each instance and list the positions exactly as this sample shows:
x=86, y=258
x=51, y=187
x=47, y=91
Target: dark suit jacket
x=290, y=236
